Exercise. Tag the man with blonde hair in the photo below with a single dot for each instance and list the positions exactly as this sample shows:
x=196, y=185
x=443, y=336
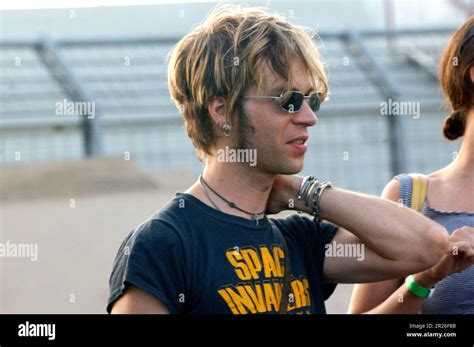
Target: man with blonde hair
x=249, y=84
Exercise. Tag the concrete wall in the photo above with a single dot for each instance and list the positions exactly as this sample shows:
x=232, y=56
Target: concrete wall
x=77, y=242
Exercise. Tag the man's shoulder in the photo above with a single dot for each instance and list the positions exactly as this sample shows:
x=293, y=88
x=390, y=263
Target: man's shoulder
x=168, y=223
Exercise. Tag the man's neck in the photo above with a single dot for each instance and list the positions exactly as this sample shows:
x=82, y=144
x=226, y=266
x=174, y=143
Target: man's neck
x=240, y=183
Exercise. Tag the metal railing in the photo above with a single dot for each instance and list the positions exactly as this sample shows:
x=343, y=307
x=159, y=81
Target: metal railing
x=91, y=129
x=71, y=74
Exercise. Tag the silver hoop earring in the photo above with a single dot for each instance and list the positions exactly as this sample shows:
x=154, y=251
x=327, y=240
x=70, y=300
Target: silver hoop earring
x=226, y=128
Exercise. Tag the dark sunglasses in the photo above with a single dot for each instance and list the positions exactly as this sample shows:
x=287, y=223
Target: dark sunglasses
x=294, y=102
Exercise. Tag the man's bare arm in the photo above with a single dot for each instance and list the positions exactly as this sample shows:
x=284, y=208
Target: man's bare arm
x=395, y=233
x=137, y=301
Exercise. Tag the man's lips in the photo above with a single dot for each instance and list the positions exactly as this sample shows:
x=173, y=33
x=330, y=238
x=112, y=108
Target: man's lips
x=299, y=143
x=299, y=140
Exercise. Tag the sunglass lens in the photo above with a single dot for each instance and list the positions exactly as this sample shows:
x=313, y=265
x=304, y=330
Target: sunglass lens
x=315, y=101
x=293, y=103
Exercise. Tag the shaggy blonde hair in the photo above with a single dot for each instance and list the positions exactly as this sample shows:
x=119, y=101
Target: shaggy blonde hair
x=225, y=56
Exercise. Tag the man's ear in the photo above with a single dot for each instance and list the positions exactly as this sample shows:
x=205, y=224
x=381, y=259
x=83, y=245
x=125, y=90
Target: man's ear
x=216, y=108
x=471, y=72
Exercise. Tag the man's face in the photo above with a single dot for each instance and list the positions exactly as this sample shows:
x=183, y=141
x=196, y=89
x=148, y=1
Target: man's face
x=280, y=137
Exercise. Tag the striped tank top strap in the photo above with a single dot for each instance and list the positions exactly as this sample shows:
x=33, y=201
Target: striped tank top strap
x=419, y=189
x=406, y=187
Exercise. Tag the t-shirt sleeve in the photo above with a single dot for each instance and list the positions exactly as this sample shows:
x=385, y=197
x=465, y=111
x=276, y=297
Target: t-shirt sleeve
x=322, y=235
x=313, y=237
x=151, y=258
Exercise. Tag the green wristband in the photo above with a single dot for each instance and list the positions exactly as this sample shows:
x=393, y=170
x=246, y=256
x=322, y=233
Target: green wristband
x=416, y=288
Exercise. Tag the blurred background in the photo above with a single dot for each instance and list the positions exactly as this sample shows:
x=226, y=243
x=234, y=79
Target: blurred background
x=75, y=183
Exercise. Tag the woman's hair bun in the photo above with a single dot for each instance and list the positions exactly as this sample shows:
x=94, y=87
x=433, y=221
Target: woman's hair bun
x=454, y=125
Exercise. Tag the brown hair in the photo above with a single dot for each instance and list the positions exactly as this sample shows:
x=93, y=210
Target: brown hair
x=455, y=64
x=225, y=56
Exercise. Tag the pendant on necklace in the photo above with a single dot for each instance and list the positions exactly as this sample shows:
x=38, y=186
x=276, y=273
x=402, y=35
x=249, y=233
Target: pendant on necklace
x=255, y=216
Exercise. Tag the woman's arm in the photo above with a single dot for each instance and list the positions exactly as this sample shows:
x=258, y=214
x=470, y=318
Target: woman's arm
x=392, y=296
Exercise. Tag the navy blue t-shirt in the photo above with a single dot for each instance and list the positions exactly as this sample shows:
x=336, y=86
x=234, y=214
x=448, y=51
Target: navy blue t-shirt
x=196, y=259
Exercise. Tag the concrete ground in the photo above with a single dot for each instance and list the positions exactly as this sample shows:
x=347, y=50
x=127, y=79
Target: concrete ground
x=78, y=213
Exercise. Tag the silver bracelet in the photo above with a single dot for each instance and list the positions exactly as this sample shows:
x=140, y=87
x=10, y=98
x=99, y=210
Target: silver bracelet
x=314, y=186
x=311, y=191
x=316, y=198
x=305, y=184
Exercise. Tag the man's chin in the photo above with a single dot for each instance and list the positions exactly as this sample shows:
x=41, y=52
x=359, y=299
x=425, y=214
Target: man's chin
x=286, y=165
x=293, y=167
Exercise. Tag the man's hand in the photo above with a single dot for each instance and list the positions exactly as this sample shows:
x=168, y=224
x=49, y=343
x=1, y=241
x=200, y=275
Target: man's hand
x=458, y=259
x=284, y=194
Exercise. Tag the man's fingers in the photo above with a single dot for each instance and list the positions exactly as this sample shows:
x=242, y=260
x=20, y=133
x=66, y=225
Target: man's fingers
x=463, y=234
x=462, y=248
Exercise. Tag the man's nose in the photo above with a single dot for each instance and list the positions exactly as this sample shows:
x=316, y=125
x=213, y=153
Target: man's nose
x=305, y=116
